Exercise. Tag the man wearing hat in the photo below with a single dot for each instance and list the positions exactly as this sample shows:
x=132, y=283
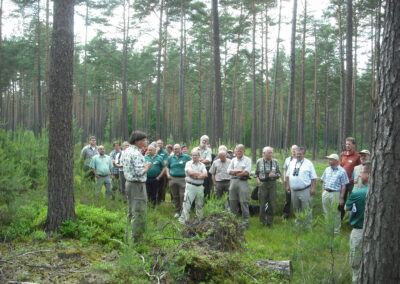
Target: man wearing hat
x=135, y=169
x=365, y=157
x=334, y=181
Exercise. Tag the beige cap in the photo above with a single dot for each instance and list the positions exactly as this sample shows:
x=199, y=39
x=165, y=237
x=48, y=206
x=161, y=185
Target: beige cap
x=333, y=156
x=365, y=152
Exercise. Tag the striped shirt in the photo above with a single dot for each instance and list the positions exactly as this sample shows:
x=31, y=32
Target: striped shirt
x=334, y=178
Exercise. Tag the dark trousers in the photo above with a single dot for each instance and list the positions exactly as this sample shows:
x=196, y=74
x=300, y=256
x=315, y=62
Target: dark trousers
x=287, y=207
x=207, y=186
x=122, y=181
x=152, y=188
x=162, y=188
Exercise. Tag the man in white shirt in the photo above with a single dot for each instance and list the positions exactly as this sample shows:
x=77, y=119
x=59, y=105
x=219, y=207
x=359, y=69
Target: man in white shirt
x=240, y=169
x=220, y=176
x=287, y=207
x=301, y=182
x=194, y=191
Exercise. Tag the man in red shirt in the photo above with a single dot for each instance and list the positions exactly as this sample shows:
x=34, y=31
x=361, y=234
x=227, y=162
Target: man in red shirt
x=348, y=160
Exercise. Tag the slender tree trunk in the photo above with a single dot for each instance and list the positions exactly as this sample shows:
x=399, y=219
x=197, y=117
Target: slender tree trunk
x=267, y=99
x=272, y=131
x=327, y=118
x=200, y=90
x=85, y=121
x=342, y=79
x=61, y=204
x=181, y=77
x=158, y=98
x=381, y=246
x=348, y=106
x=315, y=118
x=302, y=107
x=124, y=113
x=254, y=98
x=1, y=61
x=47, y=66
x=164, y=78
x=38, y=98
x=354, y=82
x=219, y=122
x=292, y=78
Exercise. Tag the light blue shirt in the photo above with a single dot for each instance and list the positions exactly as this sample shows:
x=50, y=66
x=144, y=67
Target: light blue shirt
x=334, y=178
x=306, y=173
x=101, y=164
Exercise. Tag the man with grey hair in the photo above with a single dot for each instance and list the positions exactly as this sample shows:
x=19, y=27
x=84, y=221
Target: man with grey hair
x=240, y=169
x=206, y=159
x=219, y=172
x=194, y=191
x=287, y=207
x=154, y=174
x=176, y=175
x=301, y=181
x=267, y=172
x=101, y=165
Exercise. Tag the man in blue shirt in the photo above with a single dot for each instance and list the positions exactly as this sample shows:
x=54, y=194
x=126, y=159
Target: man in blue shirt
x=101, y=165
x=334, y=181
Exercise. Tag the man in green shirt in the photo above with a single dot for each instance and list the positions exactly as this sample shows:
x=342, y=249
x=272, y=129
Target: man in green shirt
x=154, y=174
x=164, y=181
x=356, y=204
x=176, y=175
x=101, y=165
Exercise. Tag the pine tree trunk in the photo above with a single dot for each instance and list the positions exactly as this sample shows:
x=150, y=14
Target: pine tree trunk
x=85, y=121
x=219, y=122
x=272, y=130
x=158, y=98
x=1, y=60
x=348, y=106
x=288, y=130
x=302, y=106
x=37, y=92
x=254, y=98
x=181, y=77
x=267, y=99
x=381, y=246
x=61, y=204
x=342, y=79
x=124, y=112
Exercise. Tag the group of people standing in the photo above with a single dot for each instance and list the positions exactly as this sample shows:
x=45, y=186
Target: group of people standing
x=145, y=170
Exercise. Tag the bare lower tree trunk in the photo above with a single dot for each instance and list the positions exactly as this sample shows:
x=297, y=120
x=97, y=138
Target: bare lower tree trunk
x=61, y=204
x=342, y=79
x=158, y=98
x=219, y=122
x=1, y=59
x=381, y=246
x=288, y=130
x=124, y=113
x=348, y=106
x=182, y=76
x=302, y=108
x=254, y=98
x=272, y=130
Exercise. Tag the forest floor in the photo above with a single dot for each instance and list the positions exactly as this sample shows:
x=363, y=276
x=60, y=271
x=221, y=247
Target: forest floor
x=95, y=248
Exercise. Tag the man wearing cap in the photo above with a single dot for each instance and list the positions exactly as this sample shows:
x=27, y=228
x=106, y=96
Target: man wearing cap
x=194, y=191
x=135, y=169
x=364, y=158
x=101, y=165
x=287, y=207
x=239, y=169
x=301, y=182
x=334, y=181
x=176, y=176
x=219, y=172
x=356, y=205
x=267, y=172
x=206, y=159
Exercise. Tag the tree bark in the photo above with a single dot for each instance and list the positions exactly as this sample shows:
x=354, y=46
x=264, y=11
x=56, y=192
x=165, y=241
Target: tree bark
x=124, y=112
x=181, y=77
x=302, y=108
x=272, y=132
x=61, y=204
x=288, y=131
x=1, y=60
x=348, y=105
x=254, y=98
x=381, y=246
x=219, y=122
x=158, y=98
